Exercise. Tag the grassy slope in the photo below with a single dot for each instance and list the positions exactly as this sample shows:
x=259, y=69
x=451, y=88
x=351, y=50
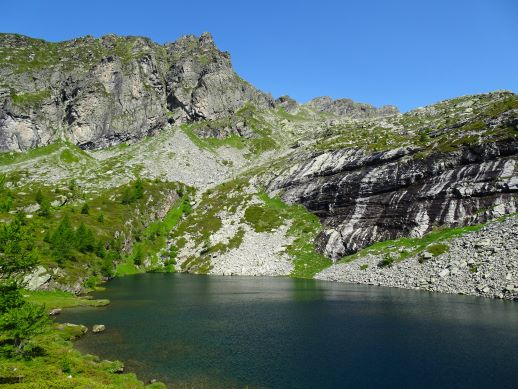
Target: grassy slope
x=443, y=127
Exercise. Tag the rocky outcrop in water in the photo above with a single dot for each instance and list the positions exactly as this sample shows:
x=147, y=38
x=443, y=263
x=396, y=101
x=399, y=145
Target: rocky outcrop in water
x=100, y=92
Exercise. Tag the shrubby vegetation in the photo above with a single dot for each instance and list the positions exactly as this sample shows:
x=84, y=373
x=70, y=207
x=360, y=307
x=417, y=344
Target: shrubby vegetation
x=20, y=320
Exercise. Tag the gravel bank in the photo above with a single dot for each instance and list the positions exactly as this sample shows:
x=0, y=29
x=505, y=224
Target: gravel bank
x=483, y=263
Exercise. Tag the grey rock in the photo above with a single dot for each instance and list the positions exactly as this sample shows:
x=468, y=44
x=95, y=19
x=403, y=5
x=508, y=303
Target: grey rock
x=444, y=272
x=347, y=107
x=55, y=312
x=37, y=279
x=98, y=328
x=101, y=92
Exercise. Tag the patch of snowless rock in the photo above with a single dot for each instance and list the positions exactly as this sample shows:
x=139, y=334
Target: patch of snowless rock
x=177, y=158
x=492, y=251
x=260, y=254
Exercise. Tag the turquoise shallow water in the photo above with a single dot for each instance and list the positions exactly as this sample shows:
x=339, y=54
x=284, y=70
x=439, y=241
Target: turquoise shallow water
x=228, y=332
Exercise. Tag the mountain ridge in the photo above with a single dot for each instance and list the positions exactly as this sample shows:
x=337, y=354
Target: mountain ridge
x=254, y=186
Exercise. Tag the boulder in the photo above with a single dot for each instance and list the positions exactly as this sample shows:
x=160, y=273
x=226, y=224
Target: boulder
x=98, y=328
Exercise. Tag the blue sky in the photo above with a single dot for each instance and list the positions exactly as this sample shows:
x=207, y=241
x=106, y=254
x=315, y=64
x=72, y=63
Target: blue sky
x=401, y=52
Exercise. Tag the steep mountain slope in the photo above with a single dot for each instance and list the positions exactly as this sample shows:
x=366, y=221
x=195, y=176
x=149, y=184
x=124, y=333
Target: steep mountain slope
x=184, y=166
x=101, y=92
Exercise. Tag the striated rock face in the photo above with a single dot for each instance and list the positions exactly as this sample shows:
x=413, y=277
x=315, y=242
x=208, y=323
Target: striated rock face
x=350, y=108
x=100, y=92
x=363, y=197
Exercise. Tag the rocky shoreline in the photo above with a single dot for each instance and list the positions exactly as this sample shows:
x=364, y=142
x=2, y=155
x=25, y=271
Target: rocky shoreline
x=482, y=263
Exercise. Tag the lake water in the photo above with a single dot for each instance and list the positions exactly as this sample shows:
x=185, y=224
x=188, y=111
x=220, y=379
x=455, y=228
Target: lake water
x=229, y=332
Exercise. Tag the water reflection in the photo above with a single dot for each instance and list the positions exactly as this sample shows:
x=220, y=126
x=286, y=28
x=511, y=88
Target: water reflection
x=201, y=331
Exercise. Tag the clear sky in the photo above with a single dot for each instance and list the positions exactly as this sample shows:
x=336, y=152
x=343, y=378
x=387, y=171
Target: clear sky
x=403, y=52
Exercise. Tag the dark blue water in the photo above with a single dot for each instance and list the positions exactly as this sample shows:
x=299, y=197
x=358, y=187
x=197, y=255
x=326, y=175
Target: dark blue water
x=209, y=332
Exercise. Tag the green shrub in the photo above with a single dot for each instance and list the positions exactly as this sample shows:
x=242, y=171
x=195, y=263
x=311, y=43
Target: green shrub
x=263, y=219
x=364, y=267
x=387, y=261
x=85, y=210
x=437, y=249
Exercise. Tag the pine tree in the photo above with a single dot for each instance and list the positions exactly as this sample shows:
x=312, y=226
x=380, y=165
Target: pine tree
x=19, y=320
x=84, y=239
x=44, y=208
x=138, y=189
x=63, y=240
x=39, y=196
x=85, y=210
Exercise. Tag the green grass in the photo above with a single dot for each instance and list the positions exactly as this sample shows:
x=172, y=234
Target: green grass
x=8, y=158
x=303, y=229
x=433, y=242
x=28, y=99
x=263, y=218
x=61, y=299
x=437, y=249
x=68, y=156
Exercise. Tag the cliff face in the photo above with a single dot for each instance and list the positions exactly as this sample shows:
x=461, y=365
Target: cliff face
x=100, y=92
x=454, y=174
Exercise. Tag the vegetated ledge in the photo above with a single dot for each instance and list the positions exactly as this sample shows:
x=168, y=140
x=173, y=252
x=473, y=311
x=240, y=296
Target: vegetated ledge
x=60, y=365
x=477, y=260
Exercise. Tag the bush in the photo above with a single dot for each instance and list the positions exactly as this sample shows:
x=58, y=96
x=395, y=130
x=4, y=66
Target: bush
x=437, y=249
x=133, y=193
x=85, y=210
x=387, y=261
x=364, y=267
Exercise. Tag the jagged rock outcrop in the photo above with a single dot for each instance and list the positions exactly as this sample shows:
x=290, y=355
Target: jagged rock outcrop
x=350, y=108
x=100, y=92
x=363, y=197
x=287, y=103
x=202, y=83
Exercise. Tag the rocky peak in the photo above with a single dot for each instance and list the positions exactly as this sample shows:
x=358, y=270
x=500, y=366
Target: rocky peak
x=348, y=107
x=98, y=92
x=287, y=103
x=206, y=39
